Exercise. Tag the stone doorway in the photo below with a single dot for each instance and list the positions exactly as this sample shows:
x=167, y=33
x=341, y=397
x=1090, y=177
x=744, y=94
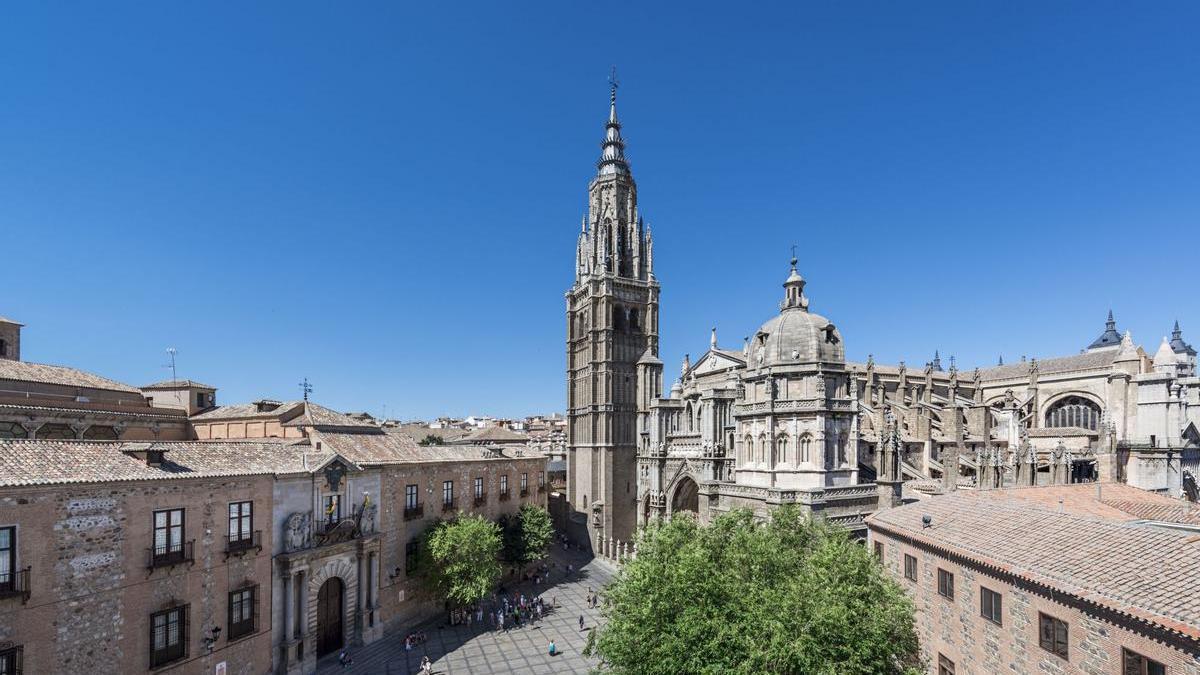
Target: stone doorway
x=687, y=496
x=330, y=603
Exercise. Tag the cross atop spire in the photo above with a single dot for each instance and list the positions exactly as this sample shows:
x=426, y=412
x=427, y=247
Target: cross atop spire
x=612, y=153
x=613, y=83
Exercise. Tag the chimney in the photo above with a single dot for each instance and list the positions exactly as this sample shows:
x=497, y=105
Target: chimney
x=146, y=452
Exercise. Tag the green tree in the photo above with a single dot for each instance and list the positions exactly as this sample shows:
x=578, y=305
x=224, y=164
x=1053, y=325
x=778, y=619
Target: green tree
x=787, y=596
x=431, y=439
x=527, y=534
x=463, y=563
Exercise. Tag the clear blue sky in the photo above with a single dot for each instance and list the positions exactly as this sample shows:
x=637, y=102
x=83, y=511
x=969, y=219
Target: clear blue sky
x=384, y=197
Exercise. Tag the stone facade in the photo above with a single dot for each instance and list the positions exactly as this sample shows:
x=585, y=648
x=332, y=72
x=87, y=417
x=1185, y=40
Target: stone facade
x=612, y=329
x=91, y=589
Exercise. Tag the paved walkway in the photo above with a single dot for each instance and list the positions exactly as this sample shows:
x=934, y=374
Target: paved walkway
x=458, y=650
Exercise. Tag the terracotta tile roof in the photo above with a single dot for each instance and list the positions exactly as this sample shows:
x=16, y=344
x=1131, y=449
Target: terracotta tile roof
x=494, y=435
x=418, y=432
x=24, y=371
x=45, y=462
x=393, y=447
x=177, y=384
x=1096, y=500
x=1144, y=572
x=243, y=411
x=320, y=416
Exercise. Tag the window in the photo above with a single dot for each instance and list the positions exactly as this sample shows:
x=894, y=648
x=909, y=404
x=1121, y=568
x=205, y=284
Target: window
x=478, y=488
x=945, y=584
x=1052, y=635
x=60, y=432
x=241, y=521
x=448, y=492
x=1074, y=411
x=168, y=536
x=991, y=605
x=410, y=556
x=10, y=660
x=8, y=559
x=910, y=567
x=541, y=479
x=410, y=497
x=945, y=665
x=879, y=550
x=199, y=399
x=168, y=636
x=243, y=610
x=12, y=430
x=3, y=348
x=503, y=485
x=333, y=509
x=1136, y=664
x=524, y=484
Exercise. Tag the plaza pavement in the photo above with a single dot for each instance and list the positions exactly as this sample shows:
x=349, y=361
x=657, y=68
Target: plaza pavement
x=459, y=650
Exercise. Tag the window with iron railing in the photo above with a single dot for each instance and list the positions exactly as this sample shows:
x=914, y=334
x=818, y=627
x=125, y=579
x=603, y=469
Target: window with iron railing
x=12, y=660
x=241, y=526
x=503, y=487
x=447, y=495
x=168, y=635
x=169, y=547
x=524, y=484
x=243, y=612
x=332, y=508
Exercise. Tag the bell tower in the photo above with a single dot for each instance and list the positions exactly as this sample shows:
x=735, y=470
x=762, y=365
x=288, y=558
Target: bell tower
x=612, y=321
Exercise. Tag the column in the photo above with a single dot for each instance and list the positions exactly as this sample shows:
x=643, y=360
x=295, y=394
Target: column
x=289, y=620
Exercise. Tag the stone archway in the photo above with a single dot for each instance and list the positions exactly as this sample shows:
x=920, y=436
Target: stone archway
x=685, y=496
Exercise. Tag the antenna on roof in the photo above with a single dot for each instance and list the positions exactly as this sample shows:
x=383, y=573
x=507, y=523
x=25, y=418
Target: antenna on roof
x=306, y=387
x=172, y=351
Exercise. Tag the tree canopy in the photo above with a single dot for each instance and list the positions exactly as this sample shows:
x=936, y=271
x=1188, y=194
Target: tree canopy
x=432, y=439
x=531, y=534
x=738, y=596
x=463, y=558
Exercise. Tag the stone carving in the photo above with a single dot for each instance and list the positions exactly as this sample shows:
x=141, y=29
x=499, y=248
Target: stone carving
x=297, y=530
x=333, y=475
x=368, y=518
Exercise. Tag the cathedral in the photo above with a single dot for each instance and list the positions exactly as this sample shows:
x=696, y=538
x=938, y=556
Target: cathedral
x=785, y=418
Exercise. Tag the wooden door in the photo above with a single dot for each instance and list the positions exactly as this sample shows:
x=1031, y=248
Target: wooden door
x=329, y=617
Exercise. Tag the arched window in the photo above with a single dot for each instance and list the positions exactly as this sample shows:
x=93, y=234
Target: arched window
x=762, y=449
x=805, y=449
x=781, y=449
x=691, y=419
x=747, y=450
x=634, y=323
x=12, y=430
x=1074, y=411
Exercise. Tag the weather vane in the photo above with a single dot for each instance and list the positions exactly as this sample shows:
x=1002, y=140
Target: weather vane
x=793, y=255
x=306, y=388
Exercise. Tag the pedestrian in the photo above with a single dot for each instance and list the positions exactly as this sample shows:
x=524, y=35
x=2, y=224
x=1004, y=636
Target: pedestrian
x=426, y=666
x=345, y=659
x=580, y=622
x=553, y=649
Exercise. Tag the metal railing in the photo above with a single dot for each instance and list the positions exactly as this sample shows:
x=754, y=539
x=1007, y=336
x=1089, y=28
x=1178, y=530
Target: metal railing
x=414, y=512
x=170, y=555
x=448, y=504
x=481, y=499
x=241, y=544
x=15, y=584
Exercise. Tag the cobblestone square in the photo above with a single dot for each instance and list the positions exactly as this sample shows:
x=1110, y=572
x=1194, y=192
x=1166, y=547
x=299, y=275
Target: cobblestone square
x=459, y=650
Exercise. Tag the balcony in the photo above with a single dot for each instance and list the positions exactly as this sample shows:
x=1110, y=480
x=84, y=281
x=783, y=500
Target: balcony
x=448, y=505
x=15, y=585
x=241, y=545
x=481, y=499
x=504, y=495
x=414, y=512
x=171, y=555
x=524, y=493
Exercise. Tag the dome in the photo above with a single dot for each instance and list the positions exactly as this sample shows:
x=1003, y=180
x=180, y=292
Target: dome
x=796, y=335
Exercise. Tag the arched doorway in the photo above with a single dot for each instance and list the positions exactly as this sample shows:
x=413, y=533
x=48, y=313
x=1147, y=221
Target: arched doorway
x=330, y=601
x=687, y=496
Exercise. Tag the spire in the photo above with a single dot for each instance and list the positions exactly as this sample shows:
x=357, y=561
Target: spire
x=794, y=296
x=612, y=153
x=1110, y=337
x=937, y=361
x=1177, y=343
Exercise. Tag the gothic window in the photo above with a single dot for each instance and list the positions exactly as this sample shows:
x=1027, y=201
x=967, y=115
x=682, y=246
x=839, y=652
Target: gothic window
x=633, y=321
x=762, y=449
x=781, y=448
x=691, y=419
x=56, y=432
x=747, y=450
x=1074, y=411
x=98, y=432
x=806, y=449
x=618, y=319
x=12, y=430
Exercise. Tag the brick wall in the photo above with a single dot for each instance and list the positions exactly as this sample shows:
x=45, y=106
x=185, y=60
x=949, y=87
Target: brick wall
x=957, y=630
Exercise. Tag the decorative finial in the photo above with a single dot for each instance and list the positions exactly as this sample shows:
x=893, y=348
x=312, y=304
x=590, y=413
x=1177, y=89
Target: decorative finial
x=712, y=341
x=613, y=83
x=306, y=387
x=1001, y=361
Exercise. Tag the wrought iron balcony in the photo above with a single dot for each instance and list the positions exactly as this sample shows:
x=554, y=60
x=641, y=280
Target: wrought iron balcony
x=481, y=499
x=240, y=545
x=171, y=555
x=525, y=492
x=15, y=584
x=414, y=512
x=504, y=495
x=448, y=505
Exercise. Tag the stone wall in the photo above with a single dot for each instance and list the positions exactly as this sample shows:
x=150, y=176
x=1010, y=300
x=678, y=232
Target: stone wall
x=91, y=592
